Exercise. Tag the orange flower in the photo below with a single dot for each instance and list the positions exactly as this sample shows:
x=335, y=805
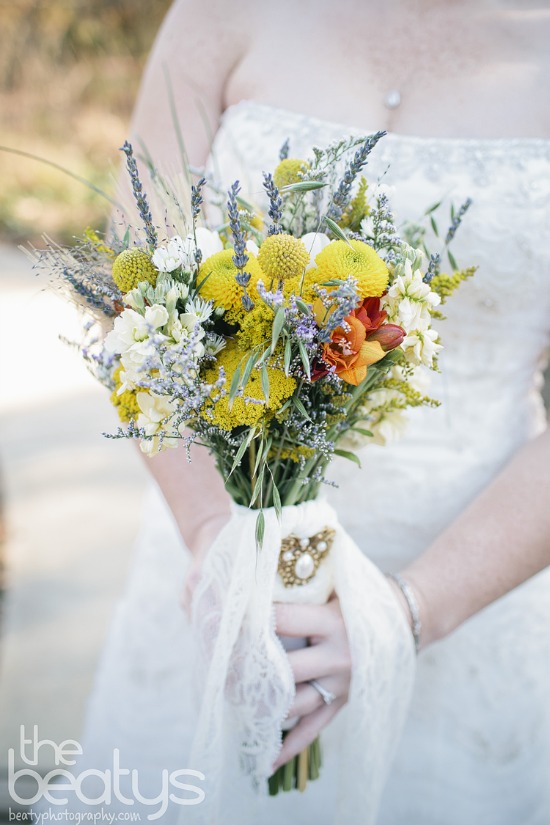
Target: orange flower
x=349, y=353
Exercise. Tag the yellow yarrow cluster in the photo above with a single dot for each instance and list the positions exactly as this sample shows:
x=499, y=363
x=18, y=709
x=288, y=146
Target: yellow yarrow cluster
x=357, y=210
x=282, y=257
x=242, y=412
x=96, y=241
x=294, y=453
x=289, y=171
x=445, y=285
x=303, y=285
x=132, y=266
x=340, y=259
x=220, y=286
x=255, y=326
x=126, y=403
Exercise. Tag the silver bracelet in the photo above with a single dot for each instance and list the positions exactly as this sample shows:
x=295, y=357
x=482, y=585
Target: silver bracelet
x=412, y=604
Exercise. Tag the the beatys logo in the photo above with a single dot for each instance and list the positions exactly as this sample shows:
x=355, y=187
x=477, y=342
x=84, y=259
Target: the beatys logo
x=54, y=786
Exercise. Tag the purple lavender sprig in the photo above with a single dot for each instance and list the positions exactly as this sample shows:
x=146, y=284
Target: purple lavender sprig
x=240, y=258
x=457, y=220
x=433, y=268
x=283, y=151
x=196, y=203
x=139, y=195
x=275, y=204
x=342, y=195
x=342, y=301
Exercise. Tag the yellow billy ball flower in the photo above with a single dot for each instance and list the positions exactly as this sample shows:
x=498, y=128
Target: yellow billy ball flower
x=282, y=257
x=289, y=171
x=339, y=259
x=126, y=403
x=220, y=286
x=243, y=412
x=132, y=266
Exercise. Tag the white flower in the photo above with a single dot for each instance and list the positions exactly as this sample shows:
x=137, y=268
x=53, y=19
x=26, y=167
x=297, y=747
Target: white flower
x=208, y=241
x=421, y=347
x=390, y=427
x=409, y=300
x=177, y=253
x=154, y=418
x=131, y=327
x=314, y=242
x=252, y=247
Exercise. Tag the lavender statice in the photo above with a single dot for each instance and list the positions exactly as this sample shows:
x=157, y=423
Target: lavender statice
x=342, y=196
x=139, y=195
x=196, y=203
x=275, y=204
x=384, y=234
x=341, y=301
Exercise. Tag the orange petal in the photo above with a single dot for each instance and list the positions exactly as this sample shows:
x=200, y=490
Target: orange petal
x=354, y=375
x=370, y=353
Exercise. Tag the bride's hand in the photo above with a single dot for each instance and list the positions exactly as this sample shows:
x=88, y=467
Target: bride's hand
x=203, y=540
x=327, y=659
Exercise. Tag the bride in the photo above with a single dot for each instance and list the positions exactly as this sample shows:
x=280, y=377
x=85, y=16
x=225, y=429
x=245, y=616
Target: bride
x=459, y=506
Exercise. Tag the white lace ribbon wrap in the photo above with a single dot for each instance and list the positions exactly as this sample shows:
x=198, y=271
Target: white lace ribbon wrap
x=244, y=677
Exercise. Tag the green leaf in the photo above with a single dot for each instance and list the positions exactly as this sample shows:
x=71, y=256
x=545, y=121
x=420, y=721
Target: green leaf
x=260, y=530
x=303, y=307
x=452, y=260
x=126, y=238
x=362, y=431
x=234, y=388
x=278, y=324
x=302, y=186
x=434, y=227
x=287, y=356
x=265, y=383
x=349, y=456
x=242, y=448
x=257, y=486
x=202, y=283
x=277, y=500
x=335, y=229
x=248, y=369
x=299, y=406
x=305, y=358
x=431, y=209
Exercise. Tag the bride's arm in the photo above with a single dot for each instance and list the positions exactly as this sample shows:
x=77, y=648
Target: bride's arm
x=499, y=541
x=198, y=45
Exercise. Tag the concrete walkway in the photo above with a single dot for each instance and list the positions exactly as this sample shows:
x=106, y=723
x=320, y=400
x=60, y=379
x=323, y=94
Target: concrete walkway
x=71, y=500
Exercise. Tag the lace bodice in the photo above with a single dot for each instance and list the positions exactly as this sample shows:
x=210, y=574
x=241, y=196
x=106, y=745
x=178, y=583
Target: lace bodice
x=498, y=325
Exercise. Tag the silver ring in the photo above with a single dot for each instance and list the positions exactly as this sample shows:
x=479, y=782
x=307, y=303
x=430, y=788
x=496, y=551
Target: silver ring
x=326, y=695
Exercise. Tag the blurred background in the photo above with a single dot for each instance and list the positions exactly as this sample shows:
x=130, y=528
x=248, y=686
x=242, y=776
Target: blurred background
x=69, y=72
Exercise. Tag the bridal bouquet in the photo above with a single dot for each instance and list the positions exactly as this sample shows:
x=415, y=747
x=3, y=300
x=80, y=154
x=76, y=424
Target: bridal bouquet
x=278, y=339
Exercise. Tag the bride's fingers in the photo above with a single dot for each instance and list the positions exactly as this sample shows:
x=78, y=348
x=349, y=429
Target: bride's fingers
x=308, y=699
x=306, y=731
x=302, y=619
x=309, y=663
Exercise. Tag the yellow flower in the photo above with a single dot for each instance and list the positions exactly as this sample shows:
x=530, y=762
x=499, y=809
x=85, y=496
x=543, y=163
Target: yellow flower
x=303, y=286
x=220, y=286
x=289, y=171
x=132, y=266
x=126, y=403
x=282, y=257
x=339, y=259
x=95, y=240
x=255, y=326
x=243, y=412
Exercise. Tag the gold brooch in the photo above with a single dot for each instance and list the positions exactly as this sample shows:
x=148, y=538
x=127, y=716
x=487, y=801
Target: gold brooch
x=299, y=559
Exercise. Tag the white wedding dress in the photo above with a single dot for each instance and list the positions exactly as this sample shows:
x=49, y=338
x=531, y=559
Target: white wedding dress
x=476, y=746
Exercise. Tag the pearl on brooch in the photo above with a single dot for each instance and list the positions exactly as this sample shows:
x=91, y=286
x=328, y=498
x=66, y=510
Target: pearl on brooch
x=304, y=567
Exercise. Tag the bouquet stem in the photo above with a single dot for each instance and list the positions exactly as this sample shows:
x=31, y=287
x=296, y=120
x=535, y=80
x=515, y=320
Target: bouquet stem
x=296, y=773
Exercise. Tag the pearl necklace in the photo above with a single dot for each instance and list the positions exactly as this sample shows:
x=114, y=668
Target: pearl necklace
x=392, y=99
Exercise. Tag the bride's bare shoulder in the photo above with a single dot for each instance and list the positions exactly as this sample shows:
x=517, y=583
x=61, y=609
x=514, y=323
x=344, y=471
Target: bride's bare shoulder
x=198, y=44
